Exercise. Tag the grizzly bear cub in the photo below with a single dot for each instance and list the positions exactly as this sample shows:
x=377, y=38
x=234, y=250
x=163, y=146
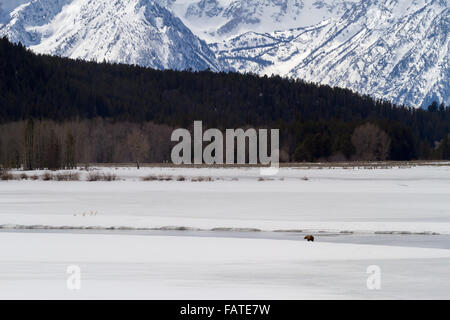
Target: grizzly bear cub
x=309, y=237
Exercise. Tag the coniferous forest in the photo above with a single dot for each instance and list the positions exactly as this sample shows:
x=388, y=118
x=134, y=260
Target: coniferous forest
x=57, y=112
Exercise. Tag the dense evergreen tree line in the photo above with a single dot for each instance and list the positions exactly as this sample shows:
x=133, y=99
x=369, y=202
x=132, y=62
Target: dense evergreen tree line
x=317, y=122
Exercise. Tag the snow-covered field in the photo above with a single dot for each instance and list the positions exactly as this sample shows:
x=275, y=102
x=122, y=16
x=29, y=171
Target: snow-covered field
x=370, y=203
x=413, y=199
x=33, y=265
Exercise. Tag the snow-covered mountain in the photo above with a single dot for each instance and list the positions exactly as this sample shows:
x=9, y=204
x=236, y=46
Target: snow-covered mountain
x=128, y=31
x=392, y=49
x=216, y=20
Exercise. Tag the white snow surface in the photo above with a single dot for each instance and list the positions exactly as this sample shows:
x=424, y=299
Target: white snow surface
x=168, y=265
x=410, y=200
x=33, y=266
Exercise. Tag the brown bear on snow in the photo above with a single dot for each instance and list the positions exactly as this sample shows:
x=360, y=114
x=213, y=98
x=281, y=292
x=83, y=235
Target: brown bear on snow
x=309, y=237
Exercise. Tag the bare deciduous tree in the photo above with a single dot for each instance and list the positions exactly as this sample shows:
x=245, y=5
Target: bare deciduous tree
x=29, y=145
x=138, y=145
x=371, y=143
x=81, y=142
x=70, y=151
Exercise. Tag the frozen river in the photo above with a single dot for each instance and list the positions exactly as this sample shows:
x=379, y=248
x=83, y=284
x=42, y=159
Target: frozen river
x=400, y=240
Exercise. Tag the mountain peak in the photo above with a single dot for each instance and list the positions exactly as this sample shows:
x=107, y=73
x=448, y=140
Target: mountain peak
x=128, y=31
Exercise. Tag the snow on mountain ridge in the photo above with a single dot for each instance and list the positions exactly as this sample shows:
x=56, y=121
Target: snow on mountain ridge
x=215, y=20
x=35, y=13
x=128, y=31
x=383, y=48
